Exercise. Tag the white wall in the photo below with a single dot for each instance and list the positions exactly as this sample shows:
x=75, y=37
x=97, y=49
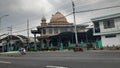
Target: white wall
x=117, y=23
x=114, y=40
x=60, y=30
x=116, y=28
x=111, y=41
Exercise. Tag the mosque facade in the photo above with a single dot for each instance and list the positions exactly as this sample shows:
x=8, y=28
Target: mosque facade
x=58, y=24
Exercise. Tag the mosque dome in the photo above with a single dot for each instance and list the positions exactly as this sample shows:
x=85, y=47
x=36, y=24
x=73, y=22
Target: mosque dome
x=58, y=17
x=43, y=19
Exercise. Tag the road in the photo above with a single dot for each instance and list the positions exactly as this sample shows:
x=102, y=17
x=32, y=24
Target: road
x=63, y=59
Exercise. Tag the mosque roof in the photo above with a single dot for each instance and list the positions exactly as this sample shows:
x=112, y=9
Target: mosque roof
x=43, y=19
x=58, y=17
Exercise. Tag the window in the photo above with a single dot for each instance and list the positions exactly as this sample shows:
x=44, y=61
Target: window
x=56, y=30
x=44, y=31
x=110, y=36
x=97, y=27
x=109, y=24
x=63, y=29
x=50, y=31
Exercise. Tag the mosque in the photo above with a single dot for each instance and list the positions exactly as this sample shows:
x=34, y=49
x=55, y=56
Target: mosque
x=57, y=31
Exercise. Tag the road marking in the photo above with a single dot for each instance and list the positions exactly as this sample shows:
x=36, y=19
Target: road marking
x=5, y=62
x=49, y=66
x=55, y=66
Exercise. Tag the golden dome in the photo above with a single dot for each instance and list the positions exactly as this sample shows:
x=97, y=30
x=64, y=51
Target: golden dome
x=58, y=17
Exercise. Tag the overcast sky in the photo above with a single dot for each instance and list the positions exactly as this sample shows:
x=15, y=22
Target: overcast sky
x=21, y=10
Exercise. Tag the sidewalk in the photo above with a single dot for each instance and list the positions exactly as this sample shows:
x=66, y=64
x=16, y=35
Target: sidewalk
x=85, y=50
x=11, y=54
x=101, y=50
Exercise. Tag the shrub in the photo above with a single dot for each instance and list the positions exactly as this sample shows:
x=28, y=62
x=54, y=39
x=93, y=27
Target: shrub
x=43, y=49
x=71, y=47
x=117, y=48
x=101, y=48
x=30, y=49
x=53, y=49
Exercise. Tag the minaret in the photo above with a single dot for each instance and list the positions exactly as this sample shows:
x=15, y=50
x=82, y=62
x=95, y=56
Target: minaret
x=43, y=20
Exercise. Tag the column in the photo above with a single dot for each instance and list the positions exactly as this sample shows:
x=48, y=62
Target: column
x=53, y=31
x=58, y=30
x=47, y=44
x=35, y=38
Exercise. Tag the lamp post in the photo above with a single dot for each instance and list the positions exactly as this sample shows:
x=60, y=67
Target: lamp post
x=0, y=28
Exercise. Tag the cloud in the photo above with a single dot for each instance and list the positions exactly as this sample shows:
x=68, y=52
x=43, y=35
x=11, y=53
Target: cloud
x=21, y=10
x=66, y=7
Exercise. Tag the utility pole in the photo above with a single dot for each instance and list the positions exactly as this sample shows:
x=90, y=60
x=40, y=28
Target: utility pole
x=9, y=37
x=28, y=31
x=11, y=30
x=73, y=6
x=28, y=28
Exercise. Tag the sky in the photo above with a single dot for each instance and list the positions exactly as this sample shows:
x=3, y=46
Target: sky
x=19, y=11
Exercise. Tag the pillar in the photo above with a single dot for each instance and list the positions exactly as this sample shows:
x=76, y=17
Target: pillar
x=3, y=48
x=47, y=43
x=35, y=38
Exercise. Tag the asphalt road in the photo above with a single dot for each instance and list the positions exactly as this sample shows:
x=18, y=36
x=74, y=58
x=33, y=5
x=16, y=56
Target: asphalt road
x=63, y=59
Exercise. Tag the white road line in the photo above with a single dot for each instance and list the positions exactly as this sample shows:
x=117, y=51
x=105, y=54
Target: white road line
x=4, y=62
x=49, y=66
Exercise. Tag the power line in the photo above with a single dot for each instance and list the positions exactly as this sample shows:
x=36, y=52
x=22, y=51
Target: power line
x=89, y=11
x=35, y=26
x=71, y=14
x=65, y=16
x=24, y=30
x=97, y=9
x=17, y=25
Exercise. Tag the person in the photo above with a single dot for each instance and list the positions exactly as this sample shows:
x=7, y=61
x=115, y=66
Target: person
x=22, y=51
x=78, y=48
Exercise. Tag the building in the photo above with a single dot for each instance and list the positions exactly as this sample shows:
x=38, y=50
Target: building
x=12, y=42
x=58, y=24
x=108, y=27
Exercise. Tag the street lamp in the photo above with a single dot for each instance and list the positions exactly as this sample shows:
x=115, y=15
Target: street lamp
x=1, y=20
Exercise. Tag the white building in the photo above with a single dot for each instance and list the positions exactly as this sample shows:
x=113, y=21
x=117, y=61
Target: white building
x=108, y=27
x=12, y=42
